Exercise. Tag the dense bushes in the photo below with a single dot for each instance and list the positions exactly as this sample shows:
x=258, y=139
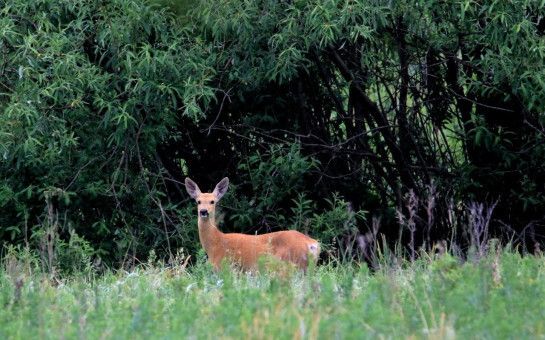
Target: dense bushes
x=391, y=99
x=90, y=90
x=317, y=110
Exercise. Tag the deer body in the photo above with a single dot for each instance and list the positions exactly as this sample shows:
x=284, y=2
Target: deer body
x=244, y=250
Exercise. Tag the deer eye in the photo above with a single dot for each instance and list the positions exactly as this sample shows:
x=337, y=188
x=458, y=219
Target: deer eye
x=211, y=202
x=198, y=202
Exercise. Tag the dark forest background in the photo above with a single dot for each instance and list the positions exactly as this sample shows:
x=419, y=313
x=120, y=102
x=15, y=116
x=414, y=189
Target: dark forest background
x=409, y=122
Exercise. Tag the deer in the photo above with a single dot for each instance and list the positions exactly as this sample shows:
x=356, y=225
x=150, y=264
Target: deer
x=242, y=250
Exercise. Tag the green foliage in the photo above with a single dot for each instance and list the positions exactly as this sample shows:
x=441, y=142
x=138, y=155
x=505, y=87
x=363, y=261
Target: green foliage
x=277, y=173
x=337, y=219
x=280, y=200
x=274, y=176
x=89, y=90
x=394, y=94
x=432, y=298
x=317, y=110
x=275, y=46
x=179, y=7
x=75, y=256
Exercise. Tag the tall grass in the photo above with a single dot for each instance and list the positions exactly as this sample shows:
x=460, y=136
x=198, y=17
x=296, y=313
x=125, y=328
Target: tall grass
x=499, y=296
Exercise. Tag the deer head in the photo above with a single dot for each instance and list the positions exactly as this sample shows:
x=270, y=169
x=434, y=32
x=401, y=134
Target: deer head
x=206, y=202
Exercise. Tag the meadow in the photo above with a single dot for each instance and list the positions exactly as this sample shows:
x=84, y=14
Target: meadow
x=412, y=122
x=435, y=297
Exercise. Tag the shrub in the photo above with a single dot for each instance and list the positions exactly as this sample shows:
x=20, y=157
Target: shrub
x=89, y=91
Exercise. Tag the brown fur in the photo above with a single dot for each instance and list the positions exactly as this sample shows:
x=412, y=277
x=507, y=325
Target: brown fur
x=245, y=250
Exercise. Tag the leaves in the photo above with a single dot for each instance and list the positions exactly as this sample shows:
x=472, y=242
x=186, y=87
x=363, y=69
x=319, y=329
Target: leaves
x=112, y=102
x=89, y=90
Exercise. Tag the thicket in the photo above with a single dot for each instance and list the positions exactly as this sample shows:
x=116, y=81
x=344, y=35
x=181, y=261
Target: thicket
x=343, y=119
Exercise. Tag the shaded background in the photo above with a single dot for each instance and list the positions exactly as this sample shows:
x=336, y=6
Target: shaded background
x=415, y=122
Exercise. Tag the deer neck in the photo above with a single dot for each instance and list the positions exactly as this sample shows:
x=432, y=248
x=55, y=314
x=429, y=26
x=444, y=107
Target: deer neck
x=209, y=234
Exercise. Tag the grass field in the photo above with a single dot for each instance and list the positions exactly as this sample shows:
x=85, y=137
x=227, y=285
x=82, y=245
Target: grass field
x=500, y=296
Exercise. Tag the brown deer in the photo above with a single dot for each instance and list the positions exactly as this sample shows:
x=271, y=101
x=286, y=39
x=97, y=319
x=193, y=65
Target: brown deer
x=244, y=250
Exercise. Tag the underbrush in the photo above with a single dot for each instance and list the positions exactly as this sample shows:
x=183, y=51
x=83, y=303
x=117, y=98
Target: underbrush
x=499, y=295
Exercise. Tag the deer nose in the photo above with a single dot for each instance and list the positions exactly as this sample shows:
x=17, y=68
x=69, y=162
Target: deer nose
x=203, y=212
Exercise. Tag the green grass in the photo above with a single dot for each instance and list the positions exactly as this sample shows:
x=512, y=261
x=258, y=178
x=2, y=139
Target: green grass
x=502, y=296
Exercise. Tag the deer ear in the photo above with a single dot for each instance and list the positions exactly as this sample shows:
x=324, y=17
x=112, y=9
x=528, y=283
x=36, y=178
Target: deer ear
x=221, y=188
x=192, y=188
